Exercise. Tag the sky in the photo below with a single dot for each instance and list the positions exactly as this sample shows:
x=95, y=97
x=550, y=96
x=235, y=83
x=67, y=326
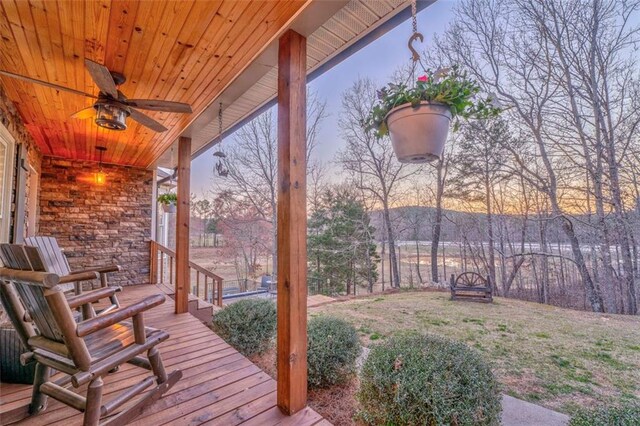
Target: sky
x=377, y=61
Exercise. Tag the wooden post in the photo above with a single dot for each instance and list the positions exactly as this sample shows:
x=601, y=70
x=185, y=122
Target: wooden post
x=153, y=260
x=292, y=224
x=183, y=277
x=219, y=293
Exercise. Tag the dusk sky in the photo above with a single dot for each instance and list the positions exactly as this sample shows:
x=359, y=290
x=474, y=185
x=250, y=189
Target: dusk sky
x=377, y=61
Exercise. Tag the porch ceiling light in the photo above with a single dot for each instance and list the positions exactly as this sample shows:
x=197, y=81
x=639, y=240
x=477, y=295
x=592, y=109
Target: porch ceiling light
x=100, y=177
x=111, y=116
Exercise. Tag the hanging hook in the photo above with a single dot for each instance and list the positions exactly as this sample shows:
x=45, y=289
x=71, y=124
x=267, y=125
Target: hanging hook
x=415, y=56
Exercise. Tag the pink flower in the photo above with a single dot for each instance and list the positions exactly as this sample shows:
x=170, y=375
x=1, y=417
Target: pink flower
x=423, y=78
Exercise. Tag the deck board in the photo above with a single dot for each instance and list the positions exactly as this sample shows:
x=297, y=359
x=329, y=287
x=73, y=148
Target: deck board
x=219, y=385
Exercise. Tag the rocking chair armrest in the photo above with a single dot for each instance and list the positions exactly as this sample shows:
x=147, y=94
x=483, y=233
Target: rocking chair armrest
x=102, y=269
x=103, y=321
x=92, y=296
x=79, y=276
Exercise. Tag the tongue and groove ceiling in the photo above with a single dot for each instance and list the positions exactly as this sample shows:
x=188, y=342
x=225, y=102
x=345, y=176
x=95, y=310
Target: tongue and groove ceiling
x=202, y=52
x=185, y=51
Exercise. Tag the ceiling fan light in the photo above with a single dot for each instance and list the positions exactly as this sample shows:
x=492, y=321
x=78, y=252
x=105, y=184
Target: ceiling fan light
x=111, y=116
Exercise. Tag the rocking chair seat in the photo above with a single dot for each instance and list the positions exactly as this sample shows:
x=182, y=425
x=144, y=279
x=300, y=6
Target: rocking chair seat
x=115, y=338
x=103, y=343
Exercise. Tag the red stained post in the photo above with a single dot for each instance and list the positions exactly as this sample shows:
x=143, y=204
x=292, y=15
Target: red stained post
x=292, y=223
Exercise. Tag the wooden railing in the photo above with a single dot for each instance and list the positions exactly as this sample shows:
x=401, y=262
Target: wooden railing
x=162, y=270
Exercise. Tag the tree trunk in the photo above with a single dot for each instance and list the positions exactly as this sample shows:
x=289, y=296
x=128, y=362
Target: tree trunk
x=591, y=289
x=418, y=260
x=393, y=259
x=437, y=226
x=492, y=258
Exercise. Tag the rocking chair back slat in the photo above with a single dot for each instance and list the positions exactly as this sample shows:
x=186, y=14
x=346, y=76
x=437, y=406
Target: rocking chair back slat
x=35, y=258
x=15, y=257
x=52, y=256
x=33, y=295
x=38, y=310
x=16, y=312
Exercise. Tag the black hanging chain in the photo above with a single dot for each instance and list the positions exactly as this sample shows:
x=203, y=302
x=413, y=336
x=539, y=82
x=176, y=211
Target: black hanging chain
x=222, y=171
x=414, y=15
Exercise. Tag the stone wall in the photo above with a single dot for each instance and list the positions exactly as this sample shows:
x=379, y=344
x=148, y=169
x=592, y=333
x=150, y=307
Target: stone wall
x=10, y=119
x=98, y=225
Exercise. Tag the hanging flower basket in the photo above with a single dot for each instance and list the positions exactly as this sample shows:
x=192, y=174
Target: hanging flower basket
x=418, y=133
x=418, y=118
x=168, y=202
x=169, y=208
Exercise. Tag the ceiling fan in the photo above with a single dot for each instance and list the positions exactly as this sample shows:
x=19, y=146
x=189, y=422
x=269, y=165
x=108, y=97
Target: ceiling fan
x=111, y=107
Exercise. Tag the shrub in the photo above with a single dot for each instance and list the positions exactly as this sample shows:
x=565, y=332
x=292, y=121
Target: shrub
x=427, y=380
x=332, y=351
x=628, y=415
x=248, y=325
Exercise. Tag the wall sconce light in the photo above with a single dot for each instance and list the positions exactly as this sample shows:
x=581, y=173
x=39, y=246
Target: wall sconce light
x=100, y=177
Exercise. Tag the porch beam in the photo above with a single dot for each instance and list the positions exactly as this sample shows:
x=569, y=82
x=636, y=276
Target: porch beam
x=292, y=224
x=183, y=277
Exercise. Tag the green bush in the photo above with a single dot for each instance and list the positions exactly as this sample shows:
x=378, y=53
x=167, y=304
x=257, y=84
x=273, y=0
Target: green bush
x=332, y=351
x=427, y=380
x=248, y=325
x=608, y=416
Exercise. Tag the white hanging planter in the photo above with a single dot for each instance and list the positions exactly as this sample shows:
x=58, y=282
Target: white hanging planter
x=169, y=208
x=418, y=134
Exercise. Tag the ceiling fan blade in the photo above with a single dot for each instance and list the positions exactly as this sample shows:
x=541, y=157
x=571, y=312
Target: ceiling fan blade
x=155, y=105
x=83, y=114
x=46, y=83
x=102, y=78
x=147, y=121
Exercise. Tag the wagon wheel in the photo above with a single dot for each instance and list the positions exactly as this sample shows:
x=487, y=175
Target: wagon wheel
x=470, y=279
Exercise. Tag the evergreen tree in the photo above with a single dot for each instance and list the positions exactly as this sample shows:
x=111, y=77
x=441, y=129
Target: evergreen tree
x=341, y=249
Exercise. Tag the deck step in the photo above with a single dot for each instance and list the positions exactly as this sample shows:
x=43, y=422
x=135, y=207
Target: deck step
x=197, y=307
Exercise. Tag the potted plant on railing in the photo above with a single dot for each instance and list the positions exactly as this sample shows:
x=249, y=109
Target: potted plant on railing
x=168, y=202
x=417, y=119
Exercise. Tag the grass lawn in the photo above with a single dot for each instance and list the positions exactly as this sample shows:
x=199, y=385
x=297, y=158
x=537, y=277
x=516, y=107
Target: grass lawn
x=558, y=358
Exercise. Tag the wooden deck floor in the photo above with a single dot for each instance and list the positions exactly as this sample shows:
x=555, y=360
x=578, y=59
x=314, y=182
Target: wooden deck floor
x=219, y=385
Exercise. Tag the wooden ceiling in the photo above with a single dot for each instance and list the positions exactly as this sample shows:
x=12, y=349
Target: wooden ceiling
x=185, y=51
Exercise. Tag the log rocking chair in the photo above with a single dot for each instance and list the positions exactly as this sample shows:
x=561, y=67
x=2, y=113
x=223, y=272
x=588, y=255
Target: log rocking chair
x=55, y=261
x=83, y=352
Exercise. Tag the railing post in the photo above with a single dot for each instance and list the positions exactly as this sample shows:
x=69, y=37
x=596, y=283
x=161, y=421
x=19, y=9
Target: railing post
x=153, y=263
x=206, y=289
x=219, y=291
x=198, y=283
x=162, y=268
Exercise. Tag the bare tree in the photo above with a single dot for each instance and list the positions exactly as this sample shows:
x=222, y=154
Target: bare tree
x=503, y=46
x=252, y=163
x=480, y=162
